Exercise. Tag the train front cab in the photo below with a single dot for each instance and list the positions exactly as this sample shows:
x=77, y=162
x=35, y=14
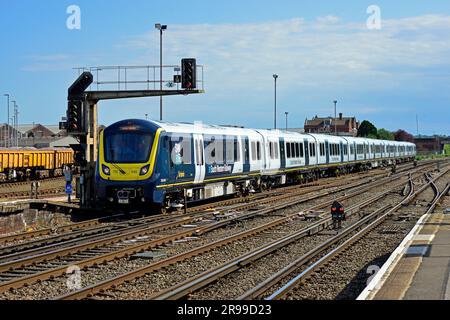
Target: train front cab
x=125, y=174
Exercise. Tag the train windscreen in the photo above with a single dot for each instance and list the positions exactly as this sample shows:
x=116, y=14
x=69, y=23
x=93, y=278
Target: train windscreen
x=128, y=147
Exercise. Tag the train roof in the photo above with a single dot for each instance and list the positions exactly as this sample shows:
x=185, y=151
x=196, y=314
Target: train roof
x=202, y=128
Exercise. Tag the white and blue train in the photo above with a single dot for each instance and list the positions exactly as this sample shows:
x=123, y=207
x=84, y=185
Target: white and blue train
x=148, y=163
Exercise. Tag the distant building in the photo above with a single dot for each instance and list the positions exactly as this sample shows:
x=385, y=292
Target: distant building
x=31, y=135
x=431, y=144
x=346, y=126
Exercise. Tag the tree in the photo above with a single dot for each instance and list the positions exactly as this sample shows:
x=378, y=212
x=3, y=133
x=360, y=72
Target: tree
x=402, y=135
x=383, y=134
x=366, y=128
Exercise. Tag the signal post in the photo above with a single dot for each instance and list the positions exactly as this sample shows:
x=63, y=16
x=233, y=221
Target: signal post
x=82, y=120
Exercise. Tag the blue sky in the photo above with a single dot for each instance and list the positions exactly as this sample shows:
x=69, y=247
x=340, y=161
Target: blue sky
x=321, y=50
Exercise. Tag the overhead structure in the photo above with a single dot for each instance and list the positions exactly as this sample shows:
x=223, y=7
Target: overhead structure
x=82, y=122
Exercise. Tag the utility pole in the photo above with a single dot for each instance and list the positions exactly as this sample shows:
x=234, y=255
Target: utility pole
x=6, y=137
x=17, y=126
x=335, y=118
x=275, y=77
x=161, y=28
x=286, y=113
x=13, y=120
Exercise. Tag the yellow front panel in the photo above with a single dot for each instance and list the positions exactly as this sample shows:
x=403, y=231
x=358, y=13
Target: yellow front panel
x=131, y=170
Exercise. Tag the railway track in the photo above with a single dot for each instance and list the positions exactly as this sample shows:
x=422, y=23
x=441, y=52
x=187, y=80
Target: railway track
x=250, y=201
x=41, y=266
x=73, y=231
x=347, y=238
x=98, y=288
x=186, y=288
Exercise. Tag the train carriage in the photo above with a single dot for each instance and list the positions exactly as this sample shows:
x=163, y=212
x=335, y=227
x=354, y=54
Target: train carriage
x=149, y=163
x=23, y=163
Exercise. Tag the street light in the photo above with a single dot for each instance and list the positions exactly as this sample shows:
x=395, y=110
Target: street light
x=161, y=28
x=7, y=125
x=17, y=125
x=286, y=113
x=335, y=124
x=14, y=125
x=275, y=77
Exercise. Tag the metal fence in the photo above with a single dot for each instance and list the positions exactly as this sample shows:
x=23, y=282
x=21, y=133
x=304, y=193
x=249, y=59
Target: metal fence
x=108, y=78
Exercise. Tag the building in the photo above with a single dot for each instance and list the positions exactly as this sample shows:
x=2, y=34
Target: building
x=345, y=126
x=431, y=144
x=33, y=135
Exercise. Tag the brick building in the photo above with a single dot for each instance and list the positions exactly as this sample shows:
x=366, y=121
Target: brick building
x=431, y=144
x=346, y=126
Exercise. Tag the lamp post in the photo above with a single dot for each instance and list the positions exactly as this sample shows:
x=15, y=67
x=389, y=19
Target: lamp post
x=275, y=77
x=335, y=124
x=14, y=125
x=6, y=137
x=286, y=113
x=161, y=28
x=17, y=125
x=13, y=121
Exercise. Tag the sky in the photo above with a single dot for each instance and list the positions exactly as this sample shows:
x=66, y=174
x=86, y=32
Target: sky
x=321, y=50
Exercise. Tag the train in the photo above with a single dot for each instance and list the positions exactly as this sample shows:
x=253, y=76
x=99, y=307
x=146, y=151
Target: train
x=164, y=166
x=18, y=164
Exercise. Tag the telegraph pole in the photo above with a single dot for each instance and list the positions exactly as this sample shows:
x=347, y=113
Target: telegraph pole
x=275, y=77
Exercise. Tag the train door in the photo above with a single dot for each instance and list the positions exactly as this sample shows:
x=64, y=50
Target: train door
x=327, y=151
x=238, y=157
x=246, y=154
x=306, y=145
x=342, y=151
x=282, y=154
x=199, y=158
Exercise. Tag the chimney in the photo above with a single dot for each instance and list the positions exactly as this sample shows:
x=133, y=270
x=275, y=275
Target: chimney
x=340, y=116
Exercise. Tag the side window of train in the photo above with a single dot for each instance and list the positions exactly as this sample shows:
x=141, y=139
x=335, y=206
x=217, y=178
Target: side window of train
x=230, y=150
x=180, y=150
x=277, y=150
x=237, y=150
x=271, y=151
x=288, y=149
x=253, y=150
x=297, y=150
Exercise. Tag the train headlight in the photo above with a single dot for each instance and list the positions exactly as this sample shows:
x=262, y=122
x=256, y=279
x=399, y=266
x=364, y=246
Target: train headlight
x=106, y=170
x=144, y=170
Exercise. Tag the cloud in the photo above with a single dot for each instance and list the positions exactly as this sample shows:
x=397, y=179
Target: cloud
x=316, y=60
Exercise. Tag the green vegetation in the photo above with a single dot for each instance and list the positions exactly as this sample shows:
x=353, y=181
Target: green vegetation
x=367, y=128
x=432, y=156
x=447, y=149
x=383, y=134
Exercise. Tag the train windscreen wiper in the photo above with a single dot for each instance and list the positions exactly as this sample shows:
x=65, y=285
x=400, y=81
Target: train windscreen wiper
x=119, y=168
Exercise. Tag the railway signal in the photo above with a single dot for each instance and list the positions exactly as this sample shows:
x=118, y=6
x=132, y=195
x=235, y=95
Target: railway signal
x=74, y=120
x=189, y=73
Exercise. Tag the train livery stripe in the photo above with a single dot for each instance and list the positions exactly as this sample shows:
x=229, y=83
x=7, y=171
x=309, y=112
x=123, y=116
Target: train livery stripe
x=308, y=168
